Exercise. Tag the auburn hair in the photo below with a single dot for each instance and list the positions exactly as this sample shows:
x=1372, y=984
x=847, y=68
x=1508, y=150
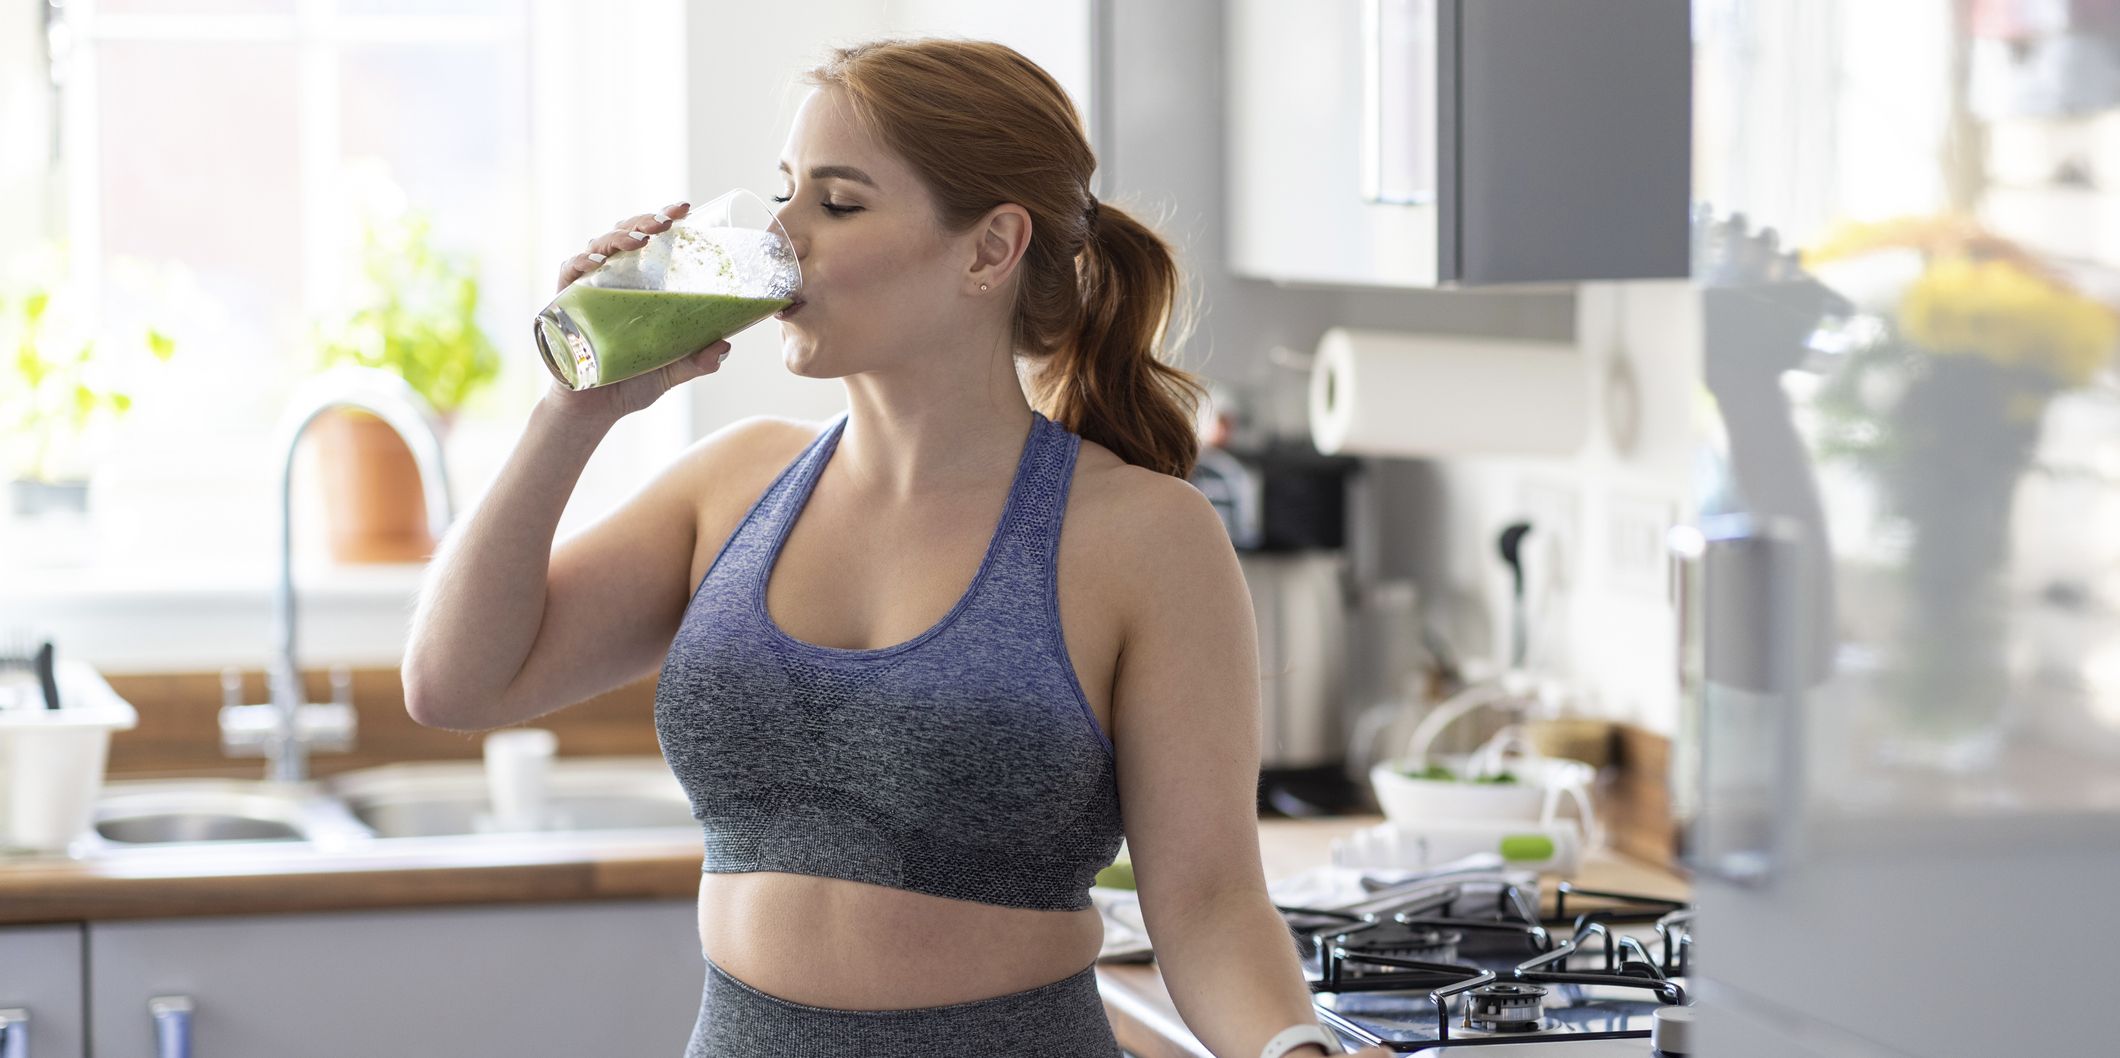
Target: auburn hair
x=981, y=125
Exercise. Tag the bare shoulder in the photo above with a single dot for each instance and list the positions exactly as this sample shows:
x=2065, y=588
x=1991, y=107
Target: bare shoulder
x=1144, y=525
x=745, y=448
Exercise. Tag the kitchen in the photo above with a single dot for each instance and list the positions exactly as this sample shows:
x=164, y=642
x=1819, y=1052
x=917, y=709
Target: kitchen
x=1543, y=451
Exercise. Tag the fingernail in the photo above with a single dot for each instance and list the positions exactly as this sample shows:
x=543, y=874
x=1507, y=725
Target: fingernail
x=597, y=257
x=662, y=217
x=684, y=205
x=641, y=235
x=724, y=356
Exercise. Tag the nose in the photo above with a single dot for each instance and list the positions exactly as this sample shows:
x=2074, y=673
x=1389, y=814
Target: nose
x=784, y=216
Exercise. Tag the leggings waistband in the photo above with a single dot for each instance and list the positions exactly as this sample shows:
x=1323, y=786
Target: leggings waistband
x=1063, y=1017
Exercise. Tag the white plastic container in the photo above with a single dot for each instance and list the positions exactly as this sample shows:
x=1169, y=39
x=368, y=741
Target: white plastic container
x=51, y=760
x=1555, y=847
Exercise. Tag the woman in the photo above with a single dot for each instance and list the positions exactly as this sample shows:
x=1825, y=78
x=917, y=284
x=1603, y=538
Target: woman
x=939, y=645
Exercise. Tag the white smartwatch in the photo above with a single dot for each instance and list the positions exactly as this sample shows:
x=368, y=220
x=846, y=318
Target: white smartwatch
x=1295, y=1036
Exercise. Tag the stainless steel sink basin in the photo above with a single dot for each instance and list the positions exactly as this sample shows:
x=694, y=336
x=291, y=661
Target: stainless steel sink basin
x=437, y=798
x=192, y=811
x=592, y=798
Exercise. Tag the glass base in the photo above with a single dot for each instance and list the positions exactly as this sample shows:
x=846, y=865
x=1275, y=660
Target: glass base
x=568, y=354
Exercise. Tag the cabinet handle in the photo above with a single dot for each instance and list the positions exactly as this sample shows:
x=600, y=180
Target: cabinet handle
x=14, y=1032
x=172, y=1025
x=1396, y=165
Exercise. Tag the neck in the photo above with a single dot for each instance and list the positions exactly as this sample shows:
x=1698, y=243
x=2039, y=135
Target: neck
x=902, y=443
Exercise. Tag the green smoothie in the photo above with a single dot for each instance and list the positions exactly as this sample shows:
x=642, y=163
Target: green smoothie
x=618, y=334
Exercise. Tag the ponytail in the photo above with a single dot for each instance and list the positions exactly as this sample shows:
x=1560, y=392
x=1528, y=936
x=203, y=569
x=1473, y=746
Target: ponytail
x=983, y=125
x=1108, y=383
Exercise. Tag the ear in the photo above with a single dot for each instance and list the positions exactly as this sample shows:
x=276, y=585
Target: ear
x=999, y=242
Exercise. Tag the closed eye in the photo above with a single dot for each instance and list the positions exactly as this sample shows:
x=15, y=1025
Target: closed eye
x=835, y=210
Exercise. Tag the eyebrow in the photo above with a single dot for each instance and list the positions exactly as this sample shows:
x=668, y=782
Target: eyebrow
x=826, y=172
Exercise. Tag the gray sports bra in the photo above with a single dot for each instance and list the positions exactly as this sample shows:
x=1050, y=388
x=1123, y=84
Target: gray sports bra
x=964, y=762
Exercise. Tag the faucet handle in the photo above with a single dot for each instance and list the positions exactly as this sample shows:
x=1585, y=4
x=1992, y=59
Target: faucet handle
x=342, y=685
x=327, y=727
x=231, y=687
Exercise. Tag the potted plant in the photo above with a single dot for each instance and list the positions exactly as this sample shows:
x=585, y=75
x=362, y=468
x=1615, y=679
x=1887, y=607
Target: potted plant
x=415, y=316
x=61, y=389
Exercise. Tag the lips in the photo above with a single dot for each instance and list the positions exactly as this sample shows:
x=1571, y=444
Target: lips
x=790, y=310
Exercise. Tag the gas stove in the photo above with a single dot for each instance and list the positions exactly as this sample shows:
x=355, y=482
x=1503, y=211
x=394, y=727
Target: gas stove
x=1443, y=968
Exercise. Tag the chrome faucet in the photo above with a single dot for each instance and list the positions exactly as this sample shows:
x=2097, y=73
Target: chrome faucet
x=284, y=729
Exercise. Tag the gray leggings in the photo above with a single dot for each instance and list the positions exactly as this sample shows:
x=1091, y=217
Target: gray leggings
x=1063, y=1019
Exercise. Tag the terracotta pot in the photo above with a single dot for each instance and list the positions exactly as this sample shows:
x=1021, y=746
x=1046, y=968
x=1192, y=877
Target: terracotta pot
x=372, y=495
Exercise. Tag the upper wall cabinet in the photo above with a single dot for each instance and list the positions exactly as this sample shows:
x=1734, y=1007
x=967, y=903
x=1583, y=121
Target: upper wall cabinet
x=1425, y=143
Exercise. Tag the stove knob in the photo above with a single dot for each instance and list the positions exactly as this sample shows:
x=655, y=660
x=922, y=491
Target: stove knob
x=1672, y=1033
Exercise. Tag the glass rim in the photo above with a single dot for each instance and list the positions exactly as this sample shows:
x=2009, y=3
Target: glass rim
x=772, y=222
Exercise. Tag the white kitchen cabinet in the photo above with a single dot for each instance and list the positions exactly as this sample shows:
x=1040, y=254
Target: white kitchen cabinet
x=40, y=977
x=1425, y=143
x=616, y=979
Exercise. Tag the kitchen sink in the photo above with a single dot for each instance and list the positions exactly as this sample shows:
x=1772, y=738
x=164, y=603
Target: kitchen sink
x=414, y=799
x=193, y=811
x=435, y=798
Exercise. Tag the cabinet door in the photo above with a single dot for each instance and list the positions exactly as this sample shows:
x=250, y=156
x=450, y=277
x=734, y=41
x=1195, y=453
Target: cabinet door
x=1297, y=210
x=1423, y=143
x=618, y=978
x=40, y=974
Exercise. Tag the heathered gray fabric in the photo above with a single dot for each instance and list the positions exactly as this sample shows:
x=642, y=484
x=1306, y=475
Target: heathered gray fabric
x=1065, y=1017
x=964, y=762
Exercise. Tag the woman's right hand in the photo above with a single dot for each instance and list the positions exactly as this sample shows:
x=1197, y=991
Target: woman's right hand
x=615, y=401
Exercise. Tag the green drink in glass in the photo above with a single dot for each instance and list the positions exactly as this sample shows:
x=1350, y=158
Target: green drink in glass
x=721, y=268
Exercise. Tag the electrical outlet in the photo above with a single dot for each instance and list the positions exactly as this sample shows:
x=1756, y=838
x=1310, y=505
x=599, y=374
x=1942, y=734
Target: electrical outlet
x=1636, y=559
x=1554, y=509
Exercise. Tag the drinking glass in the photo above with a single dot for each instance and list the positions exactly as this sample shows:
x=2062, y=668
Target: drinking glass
x=717, y=270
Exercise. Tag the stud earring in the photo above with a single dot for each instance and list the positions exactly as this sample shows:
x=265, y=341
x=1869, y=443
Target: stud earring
x=982, y=286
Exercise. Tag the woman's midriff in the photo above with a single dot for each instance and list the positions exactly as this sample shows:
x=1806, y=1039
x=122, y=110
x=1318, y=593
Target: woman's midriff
x=848, y=945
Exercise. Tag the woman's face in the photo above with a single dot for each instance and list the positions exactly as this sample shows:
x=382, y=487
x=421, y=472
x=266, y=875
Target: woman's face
x=882, y=283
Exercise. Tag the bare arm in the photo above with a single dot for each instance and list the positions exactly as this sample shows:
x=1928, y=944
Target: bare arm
x=505, y=629
x=483, y=599
x=1185, y=713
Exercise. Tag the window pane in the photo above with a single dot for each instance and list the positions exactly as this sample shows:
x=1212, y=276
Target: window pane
x=199, y=167
x=451, y=123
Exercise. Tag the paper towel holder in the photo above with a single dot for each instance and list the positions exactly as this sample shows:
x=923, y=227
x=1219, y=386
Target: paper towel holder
x=1291, y=358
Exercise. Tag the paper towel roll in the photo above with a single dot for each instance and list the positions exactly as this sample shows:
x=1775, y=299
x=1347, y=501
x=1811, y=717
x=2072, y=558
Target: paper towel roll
x=1388, y=393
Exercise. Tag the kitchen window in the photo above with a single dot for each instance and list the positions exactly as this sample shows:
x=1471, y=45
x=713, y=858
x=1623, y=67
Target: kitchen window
x=205, y=158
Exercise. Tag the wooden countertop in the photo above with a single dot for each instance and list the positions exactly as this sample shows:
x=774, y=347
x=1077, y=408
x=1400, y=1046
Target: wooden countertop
x=261, y=879
x=1148, y=1024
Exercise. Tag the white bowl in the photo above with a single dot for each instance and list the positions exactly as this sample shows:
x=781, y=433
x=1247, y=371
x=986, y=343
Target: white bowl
x=1542, y=784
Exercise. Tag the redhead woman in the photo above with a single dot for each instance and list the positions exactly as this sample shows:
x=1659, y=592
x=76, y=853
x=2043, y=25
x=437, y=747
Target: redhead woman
x=922, y=665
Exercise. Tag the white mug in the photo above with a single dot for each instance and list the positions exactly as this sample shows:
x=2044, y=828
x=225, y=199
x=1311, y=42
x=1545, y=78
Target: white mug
x=518, y=764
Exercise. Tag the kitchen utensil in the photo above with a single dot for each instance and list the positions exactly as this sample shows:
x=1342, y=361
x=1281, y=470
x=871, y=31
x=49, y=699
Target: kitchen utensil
x=718, y=269
x=52, y=760
x=1301, y=609
x=38, y=661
